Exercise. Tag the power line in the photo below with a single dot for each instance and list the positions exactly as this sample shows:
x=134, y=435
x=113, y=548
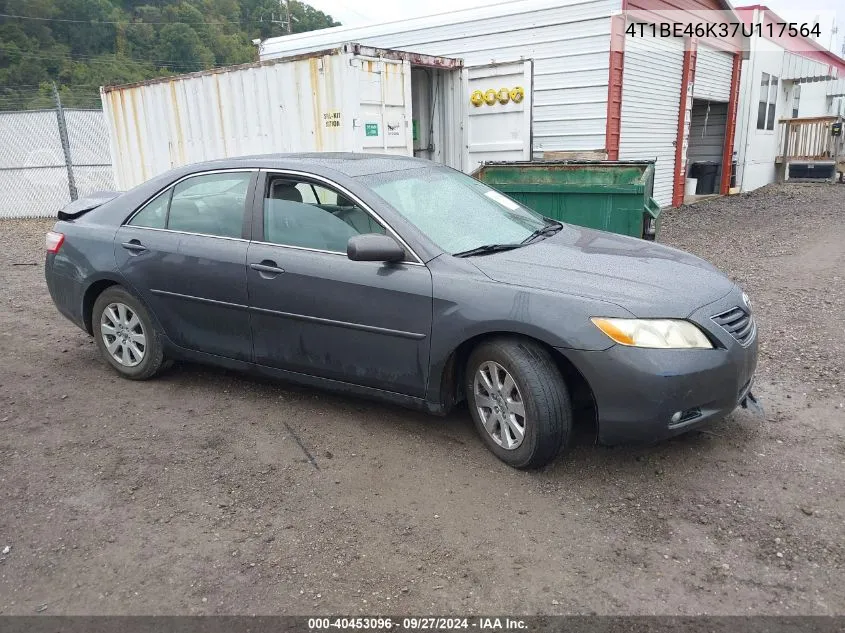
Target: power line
x=47, y=84
x=113, y=58
x=134, y=23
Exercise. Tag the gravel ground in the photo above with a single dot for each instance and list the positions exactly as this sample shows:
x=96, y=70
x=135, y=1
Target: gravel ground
x=190, y=494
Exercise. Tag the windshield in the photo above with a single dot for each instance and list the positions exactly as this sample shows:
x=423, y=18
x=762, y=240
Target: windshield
x=455, y=211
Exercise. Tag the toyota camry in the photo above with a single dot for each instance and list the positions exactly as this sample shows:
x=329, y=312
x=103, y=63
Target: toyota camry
x=400, y=279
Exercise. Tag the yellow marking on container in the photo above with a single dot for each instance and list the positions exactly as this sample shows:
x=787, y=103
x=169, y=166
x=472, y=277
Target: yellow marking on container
x=318, y=130
x=180, y=139
x=220, y=114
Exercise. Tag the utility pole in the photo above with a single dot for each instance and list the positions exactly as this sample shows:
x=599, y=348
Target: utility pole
x=284, y=6
x=287, y=8
x=63, y=137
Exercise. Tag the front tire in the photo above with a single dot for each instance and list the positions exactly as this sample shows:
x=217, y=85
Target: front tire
x=518, y=401
x=125, y=336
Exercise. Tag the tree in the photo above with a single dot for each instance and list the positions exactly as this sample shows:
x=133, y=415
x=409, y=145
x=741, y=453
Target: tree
x=83, y=44
x=180, y=45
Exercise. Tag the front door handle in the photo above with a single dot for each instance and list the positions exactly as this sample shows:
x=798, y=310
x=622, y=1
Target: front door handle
x=134, y=246
x=267, y=268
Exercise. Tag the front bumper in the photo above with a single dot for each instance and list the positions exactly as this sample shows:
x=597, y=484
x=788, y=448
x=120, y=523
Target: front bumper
x=638, y=391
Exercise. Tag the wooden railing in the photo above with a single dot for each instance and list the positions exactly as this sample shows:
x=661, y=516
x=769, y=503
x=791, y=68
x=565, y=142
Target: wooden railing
x=807, y=139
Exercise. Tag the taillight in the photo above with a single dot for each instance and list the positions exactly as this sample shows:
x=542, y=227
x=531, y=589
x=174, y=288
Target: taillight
x=54, y=242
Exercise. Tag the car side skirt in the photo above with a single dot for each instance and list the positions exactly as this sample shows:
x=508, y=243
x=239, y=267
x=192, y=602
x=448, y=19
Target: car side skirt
x=327, y=384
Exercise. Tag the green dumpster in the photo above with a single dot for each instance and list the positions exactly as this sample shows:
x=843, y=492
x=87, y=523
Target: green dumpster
x=608, y=195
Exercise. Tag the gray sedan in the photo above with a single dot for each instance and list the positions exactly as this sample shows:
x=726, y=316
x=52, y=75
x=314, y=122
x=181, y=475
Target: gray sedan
x=399, y=279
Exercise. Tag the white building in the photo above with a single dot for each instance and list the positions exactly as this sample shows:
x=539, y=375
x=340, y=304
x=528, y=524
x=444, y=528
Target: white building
x=785, y=79
x=596, y=92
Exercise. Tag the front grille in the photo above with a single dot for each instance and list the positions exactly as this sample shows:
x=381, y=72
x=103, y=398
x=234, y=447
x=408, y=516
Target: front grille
x=738, y=323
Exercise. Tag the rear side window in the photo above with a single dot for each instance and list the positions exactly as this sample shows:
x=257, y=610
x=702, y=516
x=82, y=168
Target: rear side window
x=212, y=204
x=154, y=215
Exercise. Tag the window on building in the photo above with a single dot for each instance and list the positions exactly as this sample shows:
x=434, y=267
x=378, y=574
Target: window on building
x=773, y=99
x=763, y=106
x=796, y=99
x=768, y=101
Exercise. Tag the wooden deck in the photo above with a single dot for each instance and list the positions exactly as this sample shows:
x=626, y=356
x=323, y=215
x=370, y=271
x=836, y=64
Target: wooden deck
x=809, y=139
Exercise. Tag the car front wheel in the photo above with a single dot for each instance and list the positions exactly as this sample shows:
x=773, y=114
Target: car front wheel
x=519, y=401
x=124, y=333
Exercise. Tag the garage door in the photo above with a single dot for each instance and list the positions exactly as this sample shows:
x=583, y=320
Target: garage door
x=651, y=99
x=707, y=131
x=713, y=71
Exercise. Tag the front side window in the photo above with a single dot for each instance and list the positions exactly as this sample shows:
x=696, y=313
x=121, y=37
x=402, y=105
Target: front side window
x=308, y=215
x=455, y=211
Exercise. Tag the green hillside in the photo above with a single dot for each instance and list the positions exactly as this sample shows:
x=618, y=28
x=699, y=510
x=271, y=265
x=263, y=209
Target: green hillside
x=82, y=44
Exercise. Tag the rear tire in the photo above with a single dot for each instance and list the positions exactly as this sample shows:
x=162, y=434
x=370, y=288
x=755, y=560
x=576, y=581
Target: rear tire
x=518, y=401
x=125, y=335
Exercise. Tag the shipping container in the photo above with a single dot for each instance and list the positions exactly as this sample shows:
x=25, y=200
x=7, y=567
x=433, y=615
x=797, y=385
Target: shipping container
x=351, y=98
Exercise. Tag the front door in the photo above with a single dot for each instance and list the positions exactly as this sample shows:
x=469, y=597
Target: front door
x=185, y=254
x=314, y=311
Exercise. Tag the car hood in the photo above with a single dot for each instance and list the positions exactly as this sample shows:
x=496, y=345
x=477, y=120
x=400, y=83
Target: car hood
x=645, y=278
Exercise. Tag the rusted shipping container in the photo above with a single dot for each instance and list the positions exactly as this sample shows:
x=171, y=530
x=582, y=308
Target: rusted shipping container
x=351, y=98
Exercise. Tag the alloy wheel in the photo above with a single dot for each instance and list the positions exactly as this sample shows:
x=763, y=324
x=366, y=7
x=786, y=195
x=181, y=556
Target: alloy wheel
x=123, y=333
x=500, y=405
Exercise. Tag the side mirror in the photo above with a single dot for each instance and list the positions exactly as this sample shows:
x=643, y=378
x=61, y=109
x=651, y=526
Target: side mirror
x=374, y=247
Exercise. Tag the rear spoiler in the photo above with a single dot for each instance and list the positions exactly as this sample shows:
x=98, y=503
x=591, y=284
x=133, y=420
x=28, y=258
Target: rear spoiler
x=80, y=207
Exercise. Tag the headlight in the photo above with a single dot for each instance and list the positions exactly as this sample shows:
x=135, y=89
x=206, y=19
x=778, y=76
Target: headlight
x=654, y=333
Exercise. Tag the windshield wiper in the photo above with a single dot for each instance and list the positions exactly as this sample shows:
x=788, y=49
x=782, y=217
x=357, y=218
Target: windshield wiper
x=544, y=231
x=487, y=248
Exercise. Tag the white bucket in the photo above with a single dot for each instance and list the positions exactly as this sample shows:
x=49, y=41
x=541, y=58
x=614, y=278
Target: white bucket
x=690, y=186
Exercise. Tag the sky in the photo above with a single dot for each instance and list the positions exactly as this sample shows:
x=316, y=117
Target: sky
x=362, y=12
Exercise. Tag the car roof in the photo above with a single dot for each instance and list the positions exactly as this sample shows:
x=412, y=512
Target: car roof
x=347, y=163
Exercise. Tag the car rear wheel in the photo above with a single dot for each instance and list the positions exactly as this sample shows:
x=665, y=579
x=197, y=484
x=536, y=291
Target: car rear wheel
x=519, y=401
x=124, y=333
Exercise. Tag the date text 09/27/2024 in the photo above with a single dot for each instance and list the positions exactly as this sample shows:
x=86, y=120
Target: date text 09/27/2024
x=416, y=623
x=723, y=29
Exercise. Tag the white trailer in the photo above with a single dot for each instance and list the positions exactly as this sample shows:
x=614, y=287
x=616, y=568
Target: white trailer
x=350, y=98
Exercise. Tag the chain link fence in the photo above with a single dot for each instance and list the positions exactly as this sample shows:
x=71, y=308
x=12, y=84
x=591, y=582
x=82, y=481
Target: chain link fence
x=39, y=174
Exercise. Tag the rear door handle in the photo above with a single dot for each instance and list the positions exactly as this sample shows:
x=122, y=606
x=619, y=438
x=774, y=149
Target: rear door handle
x=267, y=268
x=134, y=246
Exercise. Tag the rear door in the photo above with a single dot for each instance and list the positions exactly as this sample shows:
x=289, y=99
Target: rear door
x=316, y=312
x=185, y=253
x=497, y=105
